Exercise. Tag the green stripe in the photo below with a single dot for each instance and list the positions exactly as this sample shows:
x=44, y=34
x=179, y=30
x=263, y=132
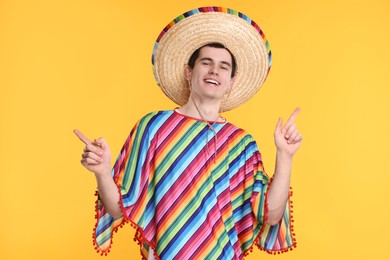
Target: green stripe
x=217, y=249
x=185, y=214
x=134, y=153
x=176, y=150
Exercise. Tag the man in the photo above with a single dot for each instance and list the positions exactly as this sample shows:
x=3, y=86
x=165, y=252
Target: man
x=191, y=183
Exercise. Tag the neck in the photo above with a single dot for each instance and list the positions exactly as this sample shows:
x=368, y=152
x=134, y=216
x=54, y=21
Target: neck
x=200, y=109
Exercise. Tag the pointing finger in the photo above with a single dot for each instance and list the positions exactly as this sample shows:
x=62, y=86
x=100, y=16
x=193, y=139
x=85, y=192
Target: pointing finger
x=82, y=137
x=290, y=121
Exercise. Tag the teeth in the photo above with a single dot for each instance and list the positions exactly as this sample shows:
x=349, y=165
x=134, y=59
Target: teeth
x=212, y=81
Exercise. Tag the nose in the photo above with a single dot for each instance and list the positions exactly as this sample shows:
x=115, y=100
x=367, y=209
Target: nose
x=214, y=70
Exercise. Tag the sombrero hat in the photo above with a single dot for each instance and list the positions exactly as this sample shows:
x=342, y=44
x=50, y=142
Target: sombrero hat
x=198, y=27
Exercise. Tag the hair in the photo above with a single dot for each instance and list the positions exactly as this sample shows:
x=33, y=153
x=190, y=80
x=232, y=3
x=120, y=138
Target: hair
x=195, y=55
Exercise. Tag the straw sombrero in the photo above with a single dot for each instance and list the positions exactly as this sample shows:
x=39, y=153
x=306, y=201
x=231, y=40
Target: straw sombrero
x=198, y=27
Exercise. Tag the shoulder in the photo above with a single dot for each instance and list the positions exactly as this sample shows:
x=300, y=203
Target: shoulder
x=240, y=141
x=152, y=121
x=155, y=115
x=240, y=133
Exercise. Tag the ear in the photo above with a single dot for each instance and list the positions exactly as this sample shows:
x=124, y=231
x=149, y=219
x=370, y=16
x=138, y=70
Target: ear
x=187, y=72
x=230, y=87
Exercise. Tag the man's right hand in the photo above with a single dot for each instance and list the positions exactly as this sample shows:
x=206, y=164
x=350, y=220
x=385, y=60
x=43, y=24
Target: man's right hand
x=96, y=156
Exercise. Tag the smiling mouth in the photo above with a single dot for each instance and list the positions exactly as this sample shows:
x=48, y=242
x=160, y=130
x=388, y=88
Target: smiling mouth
x=211, y=81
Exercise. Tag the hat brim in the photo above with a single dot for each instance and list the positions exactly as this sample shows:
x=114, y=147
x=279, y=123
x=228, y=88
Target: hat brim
x=196, y=28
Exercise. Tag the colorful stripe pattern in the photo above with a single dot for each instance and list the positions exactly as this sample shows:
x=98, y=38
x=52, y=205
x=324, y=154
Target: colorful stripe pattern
x=184, y=204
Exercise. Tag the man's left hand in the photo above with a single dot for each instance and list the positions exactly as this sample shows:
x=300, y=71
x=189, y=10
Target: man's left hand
x=287, y=138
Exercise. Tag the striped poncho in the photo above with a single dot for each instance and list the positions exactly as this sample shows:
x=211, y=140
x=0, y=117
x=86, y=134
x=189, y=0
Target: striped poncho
x=189, y=199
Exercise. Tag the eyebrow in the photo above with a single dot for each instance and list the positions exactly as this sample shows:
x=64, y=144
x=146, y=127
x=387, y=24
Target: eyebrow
x=210, y=59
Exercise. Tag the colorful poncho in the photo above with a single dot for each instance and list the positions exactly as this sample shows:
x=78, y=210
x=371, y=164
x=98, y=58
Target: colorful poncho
x=189, y=199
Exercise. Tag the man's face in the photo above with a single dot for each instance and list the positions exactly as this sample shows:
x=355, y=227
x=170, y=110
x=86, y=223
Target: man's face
x=211, y=75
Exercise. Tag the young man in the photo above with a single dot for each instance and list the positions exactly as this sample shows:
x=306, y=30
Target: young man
x=191, y=183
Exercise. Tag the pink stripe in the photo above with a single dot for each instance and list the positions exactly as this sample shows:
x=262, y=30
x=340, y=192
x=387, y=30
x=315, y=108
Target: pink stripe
x=214, y=222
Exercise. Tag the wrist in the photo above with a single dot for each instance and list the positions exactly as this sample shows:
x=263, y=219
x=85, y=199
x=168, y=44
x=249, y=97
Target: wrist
x=283, y=165
x=103, y=174
x=284, y=155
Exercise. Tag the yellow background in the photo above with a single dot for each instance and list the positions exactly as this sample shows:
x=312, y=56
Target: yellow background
x=86, y=64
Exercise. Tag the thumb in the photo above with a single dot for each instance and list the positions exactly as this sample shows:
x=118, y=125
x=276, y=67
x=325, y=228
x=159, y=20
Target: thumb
x=101, y=142
x=279, y=125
